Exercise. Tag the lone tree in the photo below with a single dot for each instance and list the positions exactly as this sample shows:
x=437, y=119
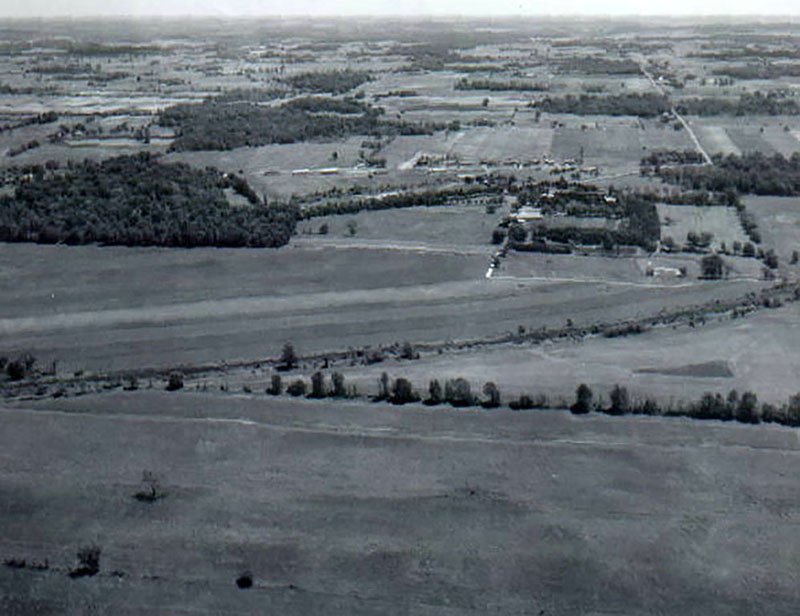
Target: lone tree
x=288, y=357
x=583, y=400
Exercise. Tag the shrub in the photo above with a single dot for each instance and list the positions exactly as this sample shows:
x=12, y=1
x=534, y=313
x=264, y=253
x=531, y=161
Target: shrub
x=523, y=403
x=297, y=388
x=175, y=381
x=88, y=562
x=245, y=581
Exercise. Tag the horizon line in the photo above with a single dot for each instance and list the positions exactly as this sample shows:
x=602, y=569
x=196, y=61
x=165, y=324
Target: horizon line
x=792, y=16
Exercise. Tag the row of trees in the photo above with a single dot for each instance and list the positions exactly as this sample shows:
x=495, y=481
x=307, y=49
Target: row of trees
x=402, y=200
x=457, y=392
x=139, y=201
x=495, y=85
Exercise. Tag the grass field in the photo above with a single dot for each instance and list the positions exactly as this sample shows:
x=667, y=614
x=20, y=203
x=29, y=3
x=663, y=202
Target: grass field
x=117, y=308
x=444, y=226
x=344, y=508
x=677, y=221
x=779, y=223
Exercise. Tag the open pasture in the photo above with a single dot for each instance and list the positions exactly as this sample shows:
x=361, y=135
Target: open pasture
x=677, y=221
x=348, y=508
x=441, y=225
x=616, y=145
x=778, y=222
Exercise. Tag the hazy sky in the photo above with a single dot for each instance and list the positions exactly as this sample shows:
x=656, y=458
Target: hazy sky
x=33, y=8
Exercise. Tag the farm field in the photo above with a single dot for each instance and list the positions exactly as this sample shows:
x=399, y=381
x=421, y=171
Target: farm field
x=321, y=504
x=137, y=345
x=768, y=135
x=436, y=226
x=108, y=315
x=677, y=221
x=779, y=220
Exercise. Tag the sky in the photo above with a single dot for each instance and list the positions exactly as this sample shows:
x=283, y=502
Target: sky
x=86, y=8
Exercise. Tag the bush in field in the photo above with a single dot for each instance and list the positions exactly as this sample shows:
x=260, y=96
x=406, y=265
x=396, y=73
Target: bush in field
x=151, y=488
x=407, y=351
x=523, y=403
x=297, y=388
x=19, y=368
x=583, y=400
x=175, y=381
x=88, y=562
x=275, y=385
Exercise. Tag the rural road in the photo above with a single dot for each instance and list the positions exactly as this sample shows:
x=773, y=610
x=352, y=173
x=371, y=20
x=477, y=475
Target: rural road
x=681, y=119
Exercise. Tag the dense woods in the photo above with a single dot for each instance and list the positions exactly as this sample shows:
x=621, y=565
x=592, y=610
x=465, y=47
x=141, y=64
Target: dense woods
x=212, y=125
x=643, y=105
x=139, y=201
x=750, y=173
x=335, y=82
x=747, y=104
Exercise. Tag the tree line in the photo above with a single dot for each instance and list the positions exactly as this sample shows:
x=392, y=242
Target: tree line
x=458, y=393
x=139, y=201
x=495, y=85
